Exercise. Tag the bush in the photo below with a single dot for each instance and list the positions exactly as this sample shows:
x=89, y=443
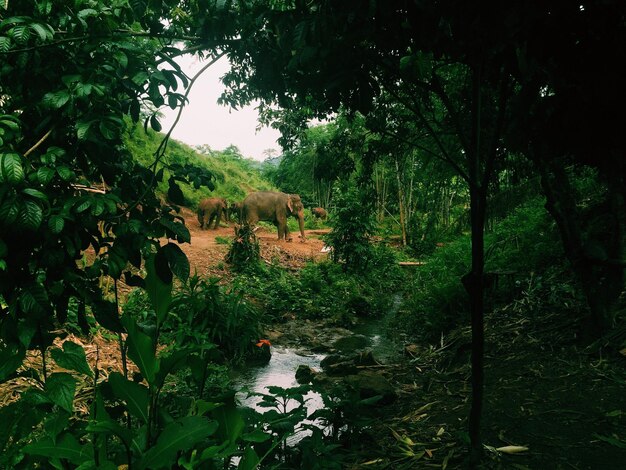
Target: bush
x=436, y=301
x=244, y=253
x=204, y=313
x=353, y=225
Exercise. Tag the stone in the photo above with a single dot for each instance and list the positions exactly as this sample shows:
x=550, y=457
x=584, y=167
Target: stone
x=350, y=344
x=305, y=374
x=369, y=384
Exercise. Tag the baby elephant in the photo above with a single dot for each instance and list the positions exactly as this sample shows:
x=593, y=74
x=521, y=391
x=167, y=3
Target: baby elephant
x=212, y=209
x=319, y=212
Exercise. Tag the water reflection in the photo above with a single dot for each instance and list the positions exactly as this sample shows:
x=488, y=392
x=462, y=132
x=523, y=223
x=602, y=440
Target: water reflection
x=279, y=371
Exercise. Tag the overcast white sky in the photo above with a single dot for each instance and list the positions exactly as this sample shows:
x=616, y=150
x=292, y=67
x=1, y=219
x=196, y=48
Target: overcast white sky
x=205, y=122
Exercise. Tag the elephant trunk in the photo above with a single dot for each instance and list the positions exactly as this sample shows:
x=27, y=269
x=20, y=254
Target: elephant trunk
x=301, y=223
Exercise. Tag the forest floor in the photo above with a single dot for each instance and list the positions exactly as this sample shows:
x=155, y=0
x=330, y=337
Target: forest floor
x=544, y=391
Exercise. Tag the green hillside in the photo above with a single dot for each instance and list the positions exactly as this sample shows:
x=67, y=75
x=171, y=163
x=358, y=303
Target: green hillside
x=234, y=175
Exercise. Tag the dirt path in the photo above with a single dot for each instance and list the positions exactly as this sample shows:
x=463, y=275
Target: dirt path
x=208, y=248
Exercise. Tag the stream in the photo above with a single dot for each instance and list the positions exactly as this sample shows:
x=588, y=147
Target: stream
x=281, y=369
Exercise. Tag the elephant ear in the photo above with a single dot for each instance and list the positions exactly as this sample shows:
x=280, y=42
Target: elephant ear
x=289, y=204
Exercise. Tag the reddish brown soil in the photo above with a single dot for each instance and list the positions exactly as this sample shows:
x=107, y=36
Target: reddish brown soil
x=208, y=247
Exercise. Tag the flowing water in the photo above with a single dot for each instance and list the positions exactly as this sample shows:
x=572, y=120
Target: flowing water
x=281, y=369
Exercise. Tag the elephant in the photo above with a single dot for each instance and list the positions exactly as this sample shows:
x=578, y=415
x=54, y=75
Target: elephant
x=319, y=212
x=212, y=209
x=274, y=207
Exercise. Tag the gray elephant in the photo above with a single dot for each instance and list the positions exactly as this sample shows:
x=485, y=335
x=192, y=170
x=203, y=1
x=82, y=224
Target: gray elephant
x=212, y=209
x=274, y=207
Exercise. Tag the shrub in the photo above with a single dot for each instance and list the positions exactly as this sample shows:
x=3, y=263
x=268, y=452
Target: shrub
x=353, y=224
x=245, y=252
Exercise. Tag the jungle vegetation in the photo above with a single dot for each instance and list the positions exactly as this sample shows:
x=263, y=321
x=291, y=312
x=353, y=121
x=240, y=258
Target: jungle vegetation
x=481, y=138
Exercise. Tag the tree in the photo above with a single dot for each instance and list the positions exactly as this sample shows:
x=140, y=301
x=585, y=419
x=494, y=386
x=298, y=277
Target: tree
x=73, y=77
x=469, y=75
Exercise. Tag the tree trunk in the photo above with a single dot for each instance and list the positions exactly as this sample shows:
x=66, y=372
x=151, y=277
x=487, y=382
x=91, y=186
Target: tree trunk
x=474, y=281
x=401, y=204
x=597, y=265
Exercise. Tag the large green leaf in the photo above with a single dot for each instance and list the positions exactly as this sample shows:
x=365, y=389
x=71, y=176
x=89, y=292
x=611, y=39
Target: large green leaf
x=141, y=349
x=67, y=448
x=34, y=299
x=250, y=459
x=30, y=216
x=133, y=394
x=159, y=291
x=72, y=357
x=180, y=435
x=60, y=388
x=106, y=314
x=177, y=260
x=11, y=357
x=11, y=169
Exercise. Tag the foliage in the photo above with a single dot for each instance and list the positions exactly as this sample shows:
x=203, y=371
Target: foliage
x=325, y=290
x=204, y=314
x=352, y=225
x=436, y=299
x=245, y=252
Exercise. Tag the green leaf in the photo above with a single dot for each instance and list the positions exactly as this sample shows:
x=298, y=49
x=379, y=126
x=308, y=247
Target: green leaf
x=56, y=423
x=180, y=231
x=60, y=388
x=11, y=169
x=133, y=394
x=56, y=99
x=5, y=44
x=159, y=292
x=177, y=260
x=82, y=205
x=67, y=448
x=180, y=435
x=45, y=175
x=34, y=299
x=171, y=363
x=250, y=460
x=231, y=423
x=31, y=215
x=141, y=349
x=11, y=357
x=108, y=426
x=56, y=224
x=65, y=173
x=35, y=194
x=21, y=34
x=611, y=440
x=109, y=129
x=82, y=128
x=44, y=31
x=9, y=210
x=256, y=436
x=106, y=314
x=154, y=123
x=121, y=58
x=72, y=357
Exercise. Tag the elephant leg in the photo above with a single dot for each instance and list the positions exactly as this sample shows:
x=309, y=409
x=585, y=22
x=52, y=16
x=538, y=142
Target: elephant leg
x=217, y=221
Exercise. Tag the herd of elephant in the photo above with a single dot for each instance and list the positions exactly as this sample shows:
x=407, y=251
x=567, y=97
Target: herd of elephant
x=269, y=206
